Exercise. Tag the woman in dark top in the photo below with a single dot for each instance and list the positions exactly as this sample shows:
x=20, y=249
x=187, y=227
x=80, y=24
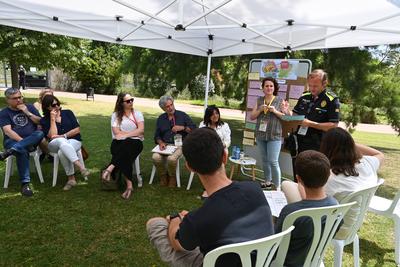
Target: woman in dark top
x=62, y=130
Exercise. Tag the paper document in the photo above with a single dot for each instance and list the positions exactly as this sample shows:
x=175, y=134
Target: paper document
x=169, y=149
x=276, y=201
x=293, y=118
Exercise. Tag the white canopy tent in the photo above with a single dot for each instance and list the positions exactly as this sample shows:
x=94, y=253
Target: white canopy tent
x=213, y=28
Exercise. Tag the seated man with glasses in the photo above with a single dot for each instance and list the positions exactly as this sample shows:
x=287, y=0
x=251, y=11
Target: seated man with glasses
x=172, y=124
x=19, y=123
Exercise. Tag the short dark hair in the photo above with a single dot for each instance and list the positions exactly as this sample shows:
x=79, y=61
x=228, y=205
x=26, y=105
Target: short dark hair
x=313, y=167
x=47, y=101
x=340, y=148
x=273, y=80
x=203, y=150
x=208, y=113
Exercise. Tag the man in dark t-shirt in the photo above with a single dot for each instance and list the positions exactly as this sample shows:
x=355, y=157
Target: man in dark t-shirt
x=19, y=122
x=234, y=211
x=312, y=169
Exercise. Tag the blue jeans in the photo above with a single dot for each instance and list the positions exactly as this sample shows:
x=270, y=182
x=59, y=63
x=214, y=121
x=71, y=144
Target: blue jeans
x=22, y=153
x=269, y=151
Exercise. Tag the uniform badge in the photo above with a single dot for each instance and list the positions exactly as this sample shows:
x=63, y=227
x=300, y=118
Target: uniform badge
x=323, y=103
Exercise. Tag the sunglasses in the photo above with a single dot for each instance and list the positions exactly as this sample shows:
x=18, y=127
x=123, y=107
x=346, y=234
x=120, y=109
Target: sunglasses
x=55, y=105
x=129, y=101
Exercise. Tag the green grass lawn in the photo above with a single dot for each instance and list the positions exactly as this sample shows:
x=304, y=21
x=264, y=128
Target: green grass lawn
x=90, y=227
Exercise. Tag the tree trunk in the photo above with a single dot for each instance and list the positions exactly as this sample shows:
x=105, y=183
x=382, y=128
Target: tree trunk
x=14, y=74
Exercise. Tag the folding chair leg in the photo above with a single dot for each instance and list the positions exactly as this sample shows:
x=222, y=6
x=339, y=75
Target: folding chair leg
x=153, y=172
x=338, y=246
x=356, y=251
x=38, y=168
x=190, y=180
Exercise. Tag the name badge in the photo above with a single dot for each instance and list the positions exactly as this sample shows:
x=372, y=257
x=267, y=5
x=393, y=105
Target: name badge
x=302, y=130
x=263, y=126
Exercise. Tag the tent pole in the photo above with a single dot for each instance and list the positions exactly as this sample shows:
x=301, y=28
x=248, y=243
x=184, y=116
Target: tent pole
x=207, y=81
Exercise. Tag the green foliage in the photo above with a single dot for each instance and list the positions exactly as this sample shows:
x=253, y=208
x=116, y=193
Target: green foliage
x=90, y=227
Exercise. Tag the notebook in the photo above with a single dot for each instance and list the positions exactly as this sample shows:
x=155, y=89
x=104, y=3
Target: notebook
x=276, y=201
x=169, y=149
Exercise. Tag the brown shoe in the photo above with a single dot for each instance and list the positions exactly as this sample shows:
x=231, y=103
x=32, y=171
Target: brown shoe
x=172, y=181
x=164, y=180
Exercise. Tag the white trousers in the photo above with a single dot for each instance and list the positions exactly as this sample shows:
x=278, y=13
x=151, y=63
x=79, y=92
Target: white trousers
x=67, y=151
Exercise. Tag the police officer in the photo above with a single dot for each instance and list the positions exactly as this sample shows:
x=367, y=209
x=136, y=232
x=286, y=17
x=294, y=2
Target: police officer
x=320, y=108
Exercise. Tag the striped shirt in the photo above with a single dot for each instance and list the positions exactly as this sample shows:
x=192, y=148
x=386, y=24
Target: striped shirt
x=274, y=127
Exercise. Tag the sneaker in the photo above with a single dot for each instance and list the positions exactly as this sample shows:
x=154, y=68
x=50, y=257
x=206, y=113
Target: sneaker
x=26, y=190
x=5, y=154
x=69, y=185
x=267, y=185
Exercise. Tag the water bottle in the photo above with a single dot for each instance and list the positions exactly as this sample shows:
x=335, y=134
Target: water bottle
x=178, y=140
x=237, y=153
x=233, y=151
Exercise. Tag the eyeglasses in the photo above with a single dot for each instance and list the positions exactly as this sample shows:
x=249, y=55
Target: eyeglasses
x=55, y=105
x=129, y=101
x=17, y=97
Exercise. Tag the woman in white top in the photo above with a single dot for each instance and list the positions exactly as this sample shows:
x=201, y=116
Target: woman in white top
x=127, y=128
x=212, y=119
x=353, y=167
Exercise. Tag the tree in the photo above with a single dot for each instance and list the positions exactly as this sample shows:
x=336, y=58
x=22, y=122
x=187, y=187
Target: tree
x=31, y=48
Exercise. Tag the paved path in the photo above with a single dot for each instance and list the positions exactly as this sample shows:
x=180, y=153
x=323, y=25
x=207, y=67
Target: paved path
x=231, y=113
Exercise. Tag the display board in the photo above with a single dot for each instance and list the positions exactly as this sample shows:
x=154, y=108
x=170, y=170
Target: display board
x=291, y=75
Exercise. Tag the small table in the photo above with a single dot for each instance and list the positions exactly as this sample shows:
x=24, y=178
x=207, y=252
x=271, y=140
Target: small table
x=240, y=163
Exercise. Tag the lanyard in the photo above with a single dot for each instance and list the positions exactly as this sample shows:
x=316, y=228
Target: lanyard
x=134, y=119
x=173, y=121
x=265, y=102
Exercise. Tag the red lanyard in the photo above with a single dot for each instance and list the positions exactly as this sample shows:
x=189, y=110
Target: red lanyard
x=134, y=119
x=173, y=120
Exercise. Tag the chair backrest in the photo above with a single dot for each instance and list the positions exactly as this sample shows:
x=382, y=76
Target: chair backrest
x=265, y=248
x=362, y=197
x=325, y=222
x=395, y=202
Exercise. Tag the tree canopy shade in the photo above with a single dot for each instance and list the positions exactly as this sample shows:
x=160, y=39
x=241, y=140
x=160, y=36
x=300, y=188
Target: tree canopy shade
x=215, y=28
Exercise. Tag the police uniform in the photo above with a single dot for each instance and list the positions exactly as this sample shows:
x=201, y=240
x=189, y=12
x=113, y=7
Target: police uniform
x=325, y=108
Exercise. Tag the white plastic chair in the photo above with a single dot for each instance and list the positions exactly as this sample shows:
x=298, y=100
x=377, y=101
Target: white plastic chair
x=177, y=172
x=190, y=180
x=323, y=233
x=265, y=248
x=9, y=162
x=390, y=209
x=56, y=162
x=137, y=171
x=362, y=197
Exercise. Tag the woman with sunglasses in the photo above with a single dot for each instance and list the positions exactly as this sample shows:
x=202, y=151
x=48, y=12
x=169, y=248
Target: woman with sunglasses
x=63, y=132
x=127, y=128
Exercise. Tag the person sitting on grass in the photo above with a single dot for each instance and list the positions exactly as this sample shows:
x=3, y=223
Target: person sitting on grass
x=312, y=172
x=234, y=211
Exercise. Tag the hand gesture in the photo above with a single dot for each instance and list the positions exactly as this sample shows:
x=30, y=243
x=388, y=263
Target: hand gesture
x=178, y=128
x=272, y=109
x=285, y=106
x=53, y=114
x=22, y=107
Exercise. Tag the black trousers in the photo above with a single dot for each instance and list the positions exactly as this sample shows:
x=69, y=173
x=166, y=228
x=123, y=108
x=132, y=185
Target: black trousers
x=124, y=153
x=311, y=142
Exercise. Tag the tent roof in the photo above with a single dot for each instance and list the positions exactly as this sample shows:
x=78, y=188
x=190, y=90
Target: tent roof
x=215, y=27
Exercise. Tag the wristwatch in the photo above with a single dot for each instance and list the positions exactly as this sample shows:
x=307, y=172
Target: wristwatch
x=175, y=215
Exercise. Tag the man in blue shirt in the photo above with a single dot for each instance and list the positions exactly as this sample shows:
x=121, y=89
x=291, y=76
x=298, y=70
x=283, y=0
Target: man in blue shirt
x=171, y=124
x=19, y=122
x=234, y=211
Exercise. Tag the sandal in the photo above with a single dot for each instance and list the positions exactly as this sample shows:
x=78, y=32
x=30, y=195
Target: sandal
x=85, y=172
x=106, y=175
x=127, y=194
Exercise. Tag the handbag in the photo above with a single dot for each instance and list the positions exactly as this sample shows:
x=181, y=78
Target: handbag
x=85, y=153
